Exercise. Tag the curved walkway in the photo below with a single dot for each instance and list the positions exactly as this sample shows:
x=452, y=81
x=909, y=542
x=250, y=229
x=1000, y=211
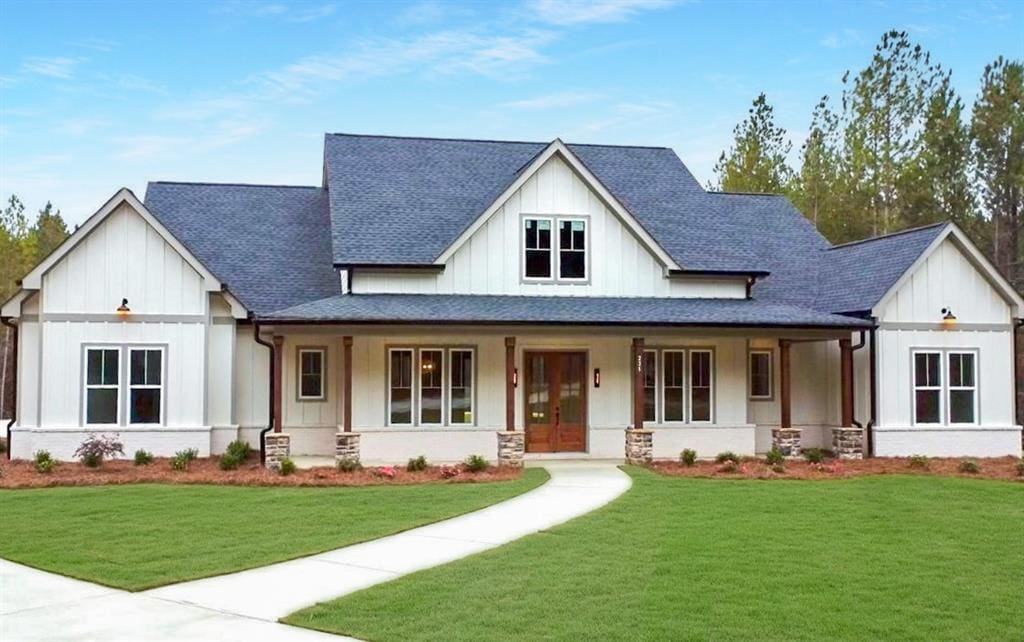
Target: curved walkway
x=246, y=605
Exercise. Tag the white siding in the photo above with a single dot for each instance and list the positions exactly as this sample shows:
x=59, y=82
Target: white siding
x=490, y=261
x=251, y=397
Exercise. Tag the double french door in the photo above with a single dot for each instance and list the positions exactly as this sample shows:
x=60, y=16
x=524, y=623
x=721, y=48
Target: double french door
x=556, y=401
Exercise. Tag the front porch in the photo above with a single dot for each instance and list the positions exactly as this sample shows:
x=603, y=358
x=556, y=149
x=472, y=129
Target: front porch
x=387, y=394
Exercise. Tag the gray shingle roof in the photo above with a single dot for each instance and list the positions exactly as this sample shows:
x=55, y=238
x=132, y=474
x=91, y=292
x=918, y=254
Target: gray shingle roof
x=454, y=309
x=855, y=276
x=269, y=244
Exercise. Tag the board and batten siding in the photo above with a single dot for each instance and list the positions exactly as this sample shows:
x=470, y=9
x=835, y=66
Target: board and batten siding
x=490, y=262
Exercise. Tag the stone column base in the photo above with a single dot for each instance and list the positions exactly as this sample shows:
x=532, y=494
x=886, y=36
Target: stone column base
x=511, y=447
x=277, y=446
x=848, y=442
x=787, y=440
x=346, y=447
x=639, y=446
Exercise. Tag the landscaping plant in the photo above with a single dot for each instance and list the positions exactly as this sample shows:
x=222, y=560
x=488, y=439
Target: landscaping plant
x=477, y=464
x=728, y=455
x=969, y=466
x=44, y=462
x=918, y=461
x=287, y=466
x=817, y=455
x=239, y=449
x=143, y=457
x=229, y=461
x=349, y=464
x=1020, y=468
x=182, y=459
x=688, y=457
x=775, y=457
x=95, y=448
x=416, y=464
x=385, y=472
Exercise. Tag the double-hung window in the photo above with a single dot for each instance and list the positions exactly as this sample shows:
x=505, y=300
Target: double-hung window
x=145, y=385
x=431, y=386
x=312, y=362
x=760, y=379
x=945, y=387
x=700, y=386
x=543, y=261
x=102, y=386
x=650, y=375
x=673, y=390
x=678, y=385
x=128, y=376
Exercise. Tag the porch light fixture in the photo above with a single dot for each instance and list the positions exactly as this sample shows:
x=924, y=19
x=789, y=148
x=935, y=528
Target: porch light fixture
x=515, y=377
x=123, y=308
x=597, y=377
x=948, y=318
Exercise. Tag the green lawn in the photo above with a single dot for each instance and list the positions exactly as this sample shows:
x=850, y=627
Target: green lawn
x=887, y=557
x=140, y=536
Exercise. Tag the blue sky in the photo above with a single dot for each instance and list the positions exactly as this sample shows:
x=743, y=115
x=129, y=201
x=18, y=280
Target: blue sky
x=95, y=96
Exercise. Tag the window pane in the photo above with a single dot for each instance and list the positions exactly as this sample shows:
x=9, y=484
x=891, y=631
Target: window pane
x=312, y=362
x=145, y=406
x=145, y=367
x=111, y=362
x=94, y=367
x=760, y=374
x=431, y=375
x=137, y=367
x=531, y=233
x=650, y=373
x=461, y=387
x=401, y=387
x=927, y=406
x=101, y=406
x=673, y=384
x=571, y=402
x=961, y=406
x=311, y=386
x=700, y=386
x=537, y=401
x=701, y=404
x=565, y=234
x=926, y=369
x=961, y=369
x=102, y=366
x=544, y=235
x=538, y=263
x=154, y=368
x=572, y=265
x=579, y=235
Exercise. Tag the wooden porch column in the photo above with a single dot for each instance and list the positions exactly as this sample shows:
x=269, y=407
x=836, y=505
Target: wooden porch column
x=346, y=384
x=278, y=382
x=785, y=409
x=510, y=388
x=638, y=383
x=846, y=381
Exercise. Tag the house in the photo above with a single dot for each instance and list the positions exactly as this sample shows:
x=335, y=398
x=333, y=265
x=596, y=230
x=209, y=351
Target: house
x=450, y=297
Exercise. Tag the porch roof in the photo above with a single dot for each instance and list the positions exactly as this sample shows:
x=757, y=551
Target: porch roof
x=548, y=310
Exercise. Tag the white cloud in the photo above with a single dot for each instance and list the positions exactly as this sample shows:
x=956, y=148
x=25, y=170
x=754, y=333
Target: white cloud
x=553, y=101
x=574, y=12
x=54, y=67
x=843, y=38
x=131, y=82
x=96, y=44
x=312, y=14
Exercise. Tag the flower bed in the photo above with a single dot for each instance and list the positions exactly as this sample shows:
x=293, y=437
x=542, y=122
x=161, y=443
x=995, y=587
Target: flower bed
x=23, y=474
x=756, y=468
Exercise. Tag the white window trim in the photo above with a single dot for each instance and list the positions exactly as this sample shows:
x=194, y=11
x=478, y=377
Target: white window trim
x=657, y=382
x=416, y=392
x=659, y=385
x=555, y=256
x=662, y=387
x=419, y=386
x=552, y=251
x=948, y=396
x=322, y=396
x=771, y=374
x=412, y=388
x=472, y=387
x=711, y=385
x=941, y=388
x=162, y=387
x=86, y=386
x=557, y=244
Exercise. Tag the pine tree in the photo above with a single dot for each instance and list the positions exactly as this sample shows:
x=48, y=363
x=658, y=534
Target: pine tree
x=757, y=160
x=814, y=188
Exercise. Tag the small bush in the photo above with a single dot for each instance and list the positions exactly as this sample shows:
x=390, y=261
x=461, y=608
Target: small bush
x=918, y=461
x=287, y=467
x=447, y=472
x=817, y=455
x=969, y=466
x=417, y=464
x=95, y=448
x=190, y=454
x=238, y=449
x=229, y=461
x=728, y=455
x=44, y=462
x=688, y=457
x=143, y=457
x=779, y=468
x=728, y=466
x=477, y=464
x=349, y=465
x=1020, y=468
x=775, y=457
x=182, y=459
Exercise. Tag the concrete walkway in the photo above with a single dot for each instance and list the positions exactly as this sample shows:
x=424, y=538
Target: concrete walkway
x=245, y=606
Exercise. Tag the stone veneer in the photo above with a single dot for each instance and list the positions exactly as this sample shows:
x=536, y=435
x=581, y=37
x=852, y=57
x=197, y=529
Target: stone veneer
x=787, y=440
x=277, y=446
x=848, y=443
x=346, y=446
x=511, y=447
x=639, y=446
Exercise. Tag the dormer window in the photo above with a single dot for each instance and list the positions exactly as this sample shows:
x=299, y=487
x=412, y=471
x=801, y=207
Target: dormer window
x=544, y=262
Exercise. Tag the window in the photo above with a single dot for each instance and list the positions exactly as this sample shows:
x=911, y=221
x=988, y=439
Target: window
x=461, y=385
x=650, y=373
x=572, y=249
x=102, y=385
x=760, y=362
x=311, y=374
x=145, y=385
x=700, y=386
x=963, y=389
x=400, y=389
x=537, y=244
x=431, y=386
x=927, y=387
x=672, y=384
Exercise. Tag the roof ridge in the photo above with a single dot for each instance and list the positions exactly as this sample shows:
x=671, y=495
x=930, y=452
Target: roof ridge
x=212, y=184
x=492, y=140
x=725, y=193
x=909, y=230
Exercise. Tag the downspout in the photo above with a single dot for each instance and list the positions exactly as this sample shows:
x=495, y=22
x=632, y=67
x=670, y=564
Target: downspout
x=270, y=395
x=869, y=433
x=853, y=393
x=14, y=384
x=1018, y=324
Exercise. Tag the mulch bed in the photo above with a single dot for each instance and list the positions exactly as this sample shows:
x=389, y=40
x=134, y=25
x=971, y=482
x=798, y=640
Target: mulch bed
x=22, y=474
x=1004, y=468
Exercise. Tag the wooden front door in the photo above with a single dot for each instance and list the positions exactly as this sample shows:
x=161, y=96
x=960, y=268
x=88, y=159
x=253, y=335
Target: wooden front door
x=556, y=402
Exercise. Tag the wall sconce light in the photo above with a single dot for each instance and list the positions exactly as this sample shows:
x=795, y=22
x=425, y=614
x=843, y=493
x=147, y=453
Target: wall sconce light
x=597, y=377
x=515, y=377
x=948, y=318
x=123, y=308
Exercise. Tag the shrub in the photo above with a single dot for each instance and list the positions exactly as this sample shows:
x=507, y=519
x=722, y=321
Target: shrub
x=349, y=465
x=774, y=457
x=95, y=448
x=238, y=449
x=969, y=466
x=477, y=464
x=189, y=454
x=229, y=461
x=817, y=455
x=918, y=461
x=728, y=455
x=779, y=468
x=447, y=472
x=1020, y=468
x=728, y=466
x=182, y=459
x=44, y=462
x=143, y=457
x=688, y=457
x=417, y=464
x=287, y=466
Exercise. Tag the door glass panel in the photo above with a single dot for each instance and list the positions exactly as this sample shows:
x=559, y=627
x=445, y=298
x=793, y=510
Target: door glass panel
x=650, y=373
x=673, y=383
x=700, y=386
x=431, y=375
x=537, y=395
x=401, y=387
x=571, y=402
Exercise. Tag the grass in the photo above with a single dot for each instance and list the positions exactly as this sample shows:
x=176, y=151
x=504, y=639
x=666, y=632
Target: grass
x=885, y=557
x=141, y=536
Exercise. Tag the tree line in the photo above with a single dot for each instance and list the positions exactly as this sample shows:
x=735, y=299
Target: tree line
x=898, y=150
